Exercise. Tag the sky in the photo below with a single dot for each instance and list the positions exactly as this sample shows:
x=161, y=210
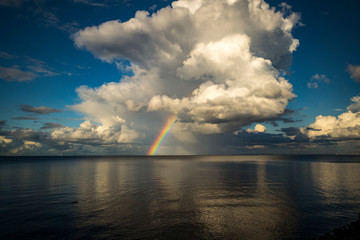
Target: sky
x=91, y=77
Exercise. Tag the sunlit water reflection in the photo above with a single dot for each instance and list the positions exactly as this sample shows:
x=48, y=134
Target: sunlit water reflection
x=217, y=197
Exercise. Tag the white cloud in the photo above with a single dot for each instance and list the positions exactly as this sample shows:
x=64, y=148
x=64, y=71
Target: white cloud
x=355, y=106
x=26, y=147
x=191, y=5
x=216, y=64
x=240, y=88
x=344, y=126
x=354, y=71
x=258, y=128
x=255, y=147
x=90, y=133
x=4, y=140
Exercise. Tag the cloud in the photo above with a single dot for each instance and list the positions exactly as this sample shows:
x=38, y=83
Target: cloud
x=15, y=74
x=258, y=129
x=90, y=133
x=354, y=71
x=27, y=146
x=12, y=3
x=92, y=3
x=51, y=125
x=104, y=3
x=345, y=126
x=38, y=110
x=34, y=68
x=25, y=118
x=215, y=79
x=316, y=79
x=2, y=123
x=54, y=138
x=6, y=55
x=39, y=67
x=355, y=106
x=4, y=140
x=49, y=18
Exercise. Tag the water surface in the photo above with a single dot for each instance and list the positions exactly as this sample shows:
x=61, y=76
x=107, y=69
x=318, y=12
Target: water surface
x=192, y=197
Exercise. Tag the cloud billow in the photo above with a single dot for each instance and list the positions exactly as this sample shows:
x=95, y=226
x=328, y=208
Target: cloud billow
x=346, y=126
x=207, y=61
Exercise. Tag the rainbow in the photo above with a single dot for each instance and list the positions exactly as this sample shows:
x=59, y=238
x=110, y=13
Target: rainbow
x=164, y=131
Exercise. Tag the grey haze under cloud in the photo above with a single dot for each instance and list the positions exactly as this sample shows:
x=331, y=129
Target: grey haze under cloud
x=38, y=110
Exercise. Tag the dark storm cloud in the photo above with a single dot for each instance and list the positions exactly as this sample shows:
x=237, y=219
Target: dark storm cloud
x=286, y=117
x=291, y=131
x=38, y=110
x=51, y=125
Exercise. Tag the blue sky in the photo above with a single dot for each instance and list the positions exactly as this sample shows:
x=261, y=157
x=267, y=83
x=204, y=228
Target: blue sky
x=81, y=77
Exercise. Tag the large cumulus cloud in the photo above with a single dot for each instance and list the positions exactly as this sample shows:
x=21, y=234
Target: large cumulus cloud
x=216, y=64
x=219, y=65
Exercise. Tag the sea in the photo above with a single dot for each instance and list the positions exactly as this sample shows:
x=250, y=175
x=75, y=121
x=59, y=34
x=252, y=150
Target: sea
x=177, y=197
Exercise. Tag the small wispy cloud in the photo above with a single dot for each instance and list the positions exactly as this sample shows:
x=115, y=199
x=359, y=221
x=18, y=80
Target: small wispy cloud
x=6, y=55
x=11, y=3
x=49, y=18
x=28, y=70
x=354, y=71
x=38, y=110
x=92, y=3
x=25, y=118
x=316, y=79
x=14, y=73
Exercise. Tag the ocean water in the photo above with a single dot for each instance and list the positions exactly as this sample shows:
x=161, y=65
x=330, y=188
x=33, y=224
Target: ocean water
x=190, y=197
